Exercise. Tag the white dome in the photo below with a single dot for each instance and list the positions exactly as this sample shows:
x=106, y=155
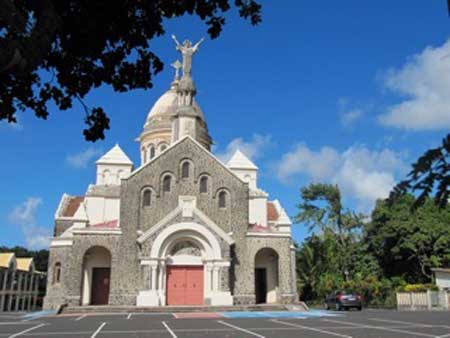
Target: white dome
x=165, y=105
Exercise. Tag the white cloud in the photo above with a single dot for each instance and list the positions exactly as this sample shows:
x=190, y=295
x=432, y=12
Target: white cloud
x=362, y=175
x=348, y=118
x=82, y=159
x=350, y=112
x=37, y=237
x=253, y=149
x=425, y=82
x=365, y=175
x=301, y=160
x=24, y=215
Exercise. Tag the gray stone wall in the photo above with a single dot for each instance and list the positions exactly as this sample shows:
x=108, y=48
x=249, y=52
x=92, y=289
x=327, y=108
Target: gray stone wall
x=135, y=217
x=56, y=292
x=124, y=272
x=245, y=282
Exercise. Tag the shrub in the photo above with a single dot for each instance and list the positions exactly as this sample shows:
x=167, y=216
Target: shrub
x=418, y=288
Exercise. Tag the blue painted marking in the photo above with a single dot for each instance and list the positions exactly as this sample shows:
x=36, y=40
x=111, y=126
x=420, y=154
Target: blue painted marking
x=38, y=314
x=278, y=314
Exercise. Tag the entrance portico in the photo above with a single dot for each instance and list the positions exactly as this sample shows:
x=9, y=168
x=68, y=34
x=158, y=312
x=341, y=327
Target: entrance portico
x=191, y=253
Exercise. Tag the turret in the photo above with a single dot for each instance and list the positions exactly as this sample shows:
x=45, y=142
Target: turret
x=113, y=166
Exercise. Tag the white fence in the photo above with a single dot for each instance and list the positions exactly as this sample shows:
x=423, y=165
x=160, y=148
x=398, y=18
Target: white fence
x=430, y=300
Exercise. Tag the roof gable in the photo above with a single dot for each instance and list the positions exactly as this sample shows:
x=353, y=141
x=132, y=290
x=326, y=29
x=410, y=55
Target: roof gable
x=240, y=161
x=173, y=146
x=115, y=156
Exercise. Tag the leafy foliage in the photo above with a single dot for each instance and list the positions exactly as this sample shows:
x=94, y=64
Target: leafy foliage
x=409, y=244
x=431, y=171
x=418, y=287
x=322, y=209
x=60, y=50
x=397, y=246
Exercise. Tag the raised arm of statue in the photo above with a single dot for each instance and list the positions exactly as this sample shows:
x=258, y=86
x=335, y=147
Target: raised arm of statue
x=198, y=44
x=176, y=41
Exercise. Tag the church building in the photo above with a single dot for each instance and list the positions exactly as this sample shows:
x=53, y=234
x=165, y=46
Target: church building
x=180, y=228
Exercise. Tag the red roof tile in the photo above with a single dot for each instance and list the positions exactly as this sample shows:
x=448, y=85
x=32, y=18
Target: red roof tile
x=73, y=205
x=107, y=224
x=254, y=227
x=272, y=213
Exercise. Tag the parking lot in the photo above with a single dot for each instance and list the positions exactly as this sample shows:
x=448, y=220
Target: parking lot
x=316, y=324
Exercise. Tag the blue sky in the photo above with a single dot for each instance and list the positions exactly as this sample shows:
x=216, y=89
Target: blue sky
x=349, y=92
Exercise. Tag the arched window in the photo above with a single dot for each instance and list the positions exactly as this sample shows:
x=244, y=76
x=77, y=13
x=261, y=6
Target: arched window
x=147, y=198
x=204, y=184
x=222, y=199
x=185, y=170
x=152, y=152
x=166, y=183
x=163, y=147
x=57, y=273
x=106, y=177
x=144, y=155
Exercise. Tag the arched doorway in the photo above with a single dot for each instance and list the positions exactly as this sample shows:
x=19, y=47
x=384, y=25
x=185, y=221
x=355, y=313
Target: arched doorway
x=266, y=276
x=185, y=274
x=185, y=268
x=96, y=276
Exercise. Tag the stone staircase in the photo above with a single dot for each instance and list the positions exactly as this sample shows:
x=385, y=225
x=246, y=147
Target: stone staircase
x=161, y=309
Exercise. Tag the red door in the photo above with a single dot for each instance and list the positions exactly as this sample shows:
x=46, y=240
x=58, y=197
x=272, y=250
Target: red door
x=100, y=286
x=185, y=285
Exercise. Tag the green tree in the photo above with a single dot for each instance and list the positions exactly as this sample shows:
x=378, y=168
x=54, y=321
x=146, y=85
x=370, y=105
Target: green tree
x=409, y=244
x=430, y=173
x=322, y=209
x=60, y=50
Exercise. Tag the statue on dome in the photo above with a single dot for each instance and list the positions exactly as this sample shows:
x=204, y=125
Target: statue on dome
x=187, y=50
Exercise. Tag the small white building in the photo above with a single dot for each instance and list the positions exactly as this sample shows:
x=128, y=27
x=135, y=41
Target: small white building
x=442, y=278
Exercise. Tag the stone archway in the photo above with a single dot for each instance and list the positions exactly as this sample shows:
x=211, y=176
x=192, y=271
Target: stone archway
x=185, y=264
x=96, y=276
x=266, y=276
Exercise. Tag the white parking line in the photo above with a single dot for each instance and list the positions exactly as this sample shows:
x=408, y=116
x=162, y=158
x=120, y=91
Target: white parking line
x=129, y=316
x=240, y=329
x=169, y=330
x=382, y=328
x=80, y=318
x=444, y=336
x=98, y=330
x=409, y=323
x=311, y=329
x=25, y=331
x=15, y=323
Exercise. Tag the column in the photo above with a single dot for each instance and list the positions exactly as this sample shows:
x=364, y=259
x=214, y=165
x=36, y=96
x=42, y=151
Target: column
x=3, y=290
x=208, y=285
x=36, y=291
x=29, y=291
x=11, y=291
x=161, y=278
x=24, y=292
x=215, y=282
x=19, y=291
x=153, y=279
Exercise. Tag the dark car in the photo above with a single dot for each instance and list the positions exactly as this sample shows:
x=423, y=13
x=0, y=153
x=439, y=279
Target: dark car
x=343, y=299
